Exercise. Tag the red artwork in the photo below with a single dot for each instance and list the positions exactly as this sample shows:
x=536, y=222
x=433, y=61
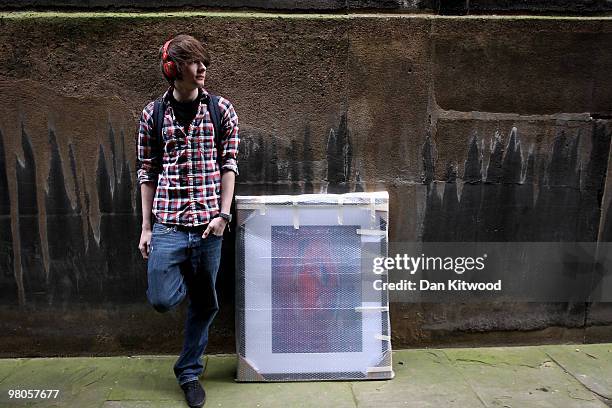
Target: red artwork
x=315, y=289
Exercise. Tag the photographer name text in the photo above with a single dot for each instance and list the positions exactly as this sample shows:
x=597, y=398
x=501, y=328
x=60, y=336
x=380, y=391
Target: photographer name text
x=449, y=285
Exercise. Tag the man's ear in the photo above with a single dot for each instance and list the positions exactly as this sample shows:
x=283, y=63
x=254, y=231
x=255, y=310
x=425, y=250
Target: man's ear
x=179, y=71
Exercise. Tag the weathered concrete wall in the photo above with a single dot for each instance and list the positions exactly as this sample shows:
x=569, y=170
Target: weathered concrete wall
x=450, y=7
x=424, y=107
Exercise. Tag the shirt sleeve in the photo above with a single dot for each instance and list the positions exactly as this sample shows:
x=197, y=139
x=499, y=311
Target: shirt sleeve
x=149, y=159
x=231, y=138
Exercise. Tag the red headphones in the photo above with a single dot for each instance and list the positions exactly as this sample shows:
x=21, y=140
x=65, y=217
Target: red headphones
x=169, y=67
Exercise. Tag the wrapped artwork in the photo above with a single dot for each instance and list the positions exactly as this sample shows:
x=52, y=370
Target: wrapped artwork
x=306, y=306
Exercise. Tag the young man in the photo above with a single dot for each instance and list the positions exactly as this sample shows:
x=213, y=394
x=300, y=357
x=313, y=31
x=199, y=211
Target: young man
x=188, y=192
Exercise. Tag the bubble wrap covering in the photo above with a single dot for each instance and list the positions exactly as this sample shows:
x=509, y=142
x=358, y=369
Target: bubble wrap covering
x=305, y=307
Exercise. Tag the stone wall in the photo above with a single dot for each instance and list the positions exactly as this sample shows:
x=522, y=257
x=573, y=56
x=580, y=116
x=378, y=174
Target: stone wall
x=449, y=7
x=489, y=129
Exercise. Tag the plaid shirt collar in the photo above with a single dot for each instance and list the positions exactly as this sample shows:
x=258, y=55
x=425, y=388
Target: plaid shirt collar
x=203, y=95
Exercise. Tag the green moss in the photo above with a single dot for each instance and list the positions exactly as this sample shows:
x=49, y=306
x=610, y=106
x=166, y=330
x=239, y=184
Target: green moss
x=264, y=15
x=164, y=15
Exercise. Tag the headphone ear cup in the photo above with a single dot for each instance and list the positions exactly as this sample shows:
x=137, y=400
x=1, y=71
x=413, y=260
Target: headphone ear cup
x=170, y=69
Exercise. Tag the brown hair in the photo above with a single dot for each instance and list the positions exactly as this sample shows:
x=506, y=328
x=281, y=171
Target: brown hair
x=182, y=50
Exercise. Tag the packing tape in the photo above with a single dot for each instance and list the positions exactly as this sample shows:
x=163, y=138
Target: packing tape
x=384, y=369
x=372, y=309
x=296, y=218
x=373, y=210
x=361, y=231
x=382, y=337
x=250, y=363
x=258, y=206
x=247, y=371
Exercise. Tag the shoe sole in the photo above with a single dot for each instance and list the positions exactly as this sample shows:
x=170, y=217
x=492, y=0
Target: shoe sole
x=198, y=405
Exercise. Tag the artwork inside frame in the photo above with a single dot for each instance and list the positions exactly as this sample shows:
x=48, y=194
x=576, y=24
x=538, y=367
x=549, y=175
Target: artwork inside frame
x=303, y=308
x=316, y=288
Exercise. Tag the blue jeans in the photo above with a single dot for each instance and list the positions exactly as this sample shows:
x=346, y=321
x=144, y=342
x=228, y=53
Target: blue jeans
x=181, y=263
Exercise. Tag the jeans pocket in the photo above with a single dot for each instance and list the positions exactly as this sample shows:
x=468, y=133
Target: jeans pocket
x=160, y=229
x=213, y=237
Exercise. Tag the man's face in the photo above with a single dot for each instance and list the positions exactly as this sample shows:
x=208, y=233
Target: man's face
x=194, y=74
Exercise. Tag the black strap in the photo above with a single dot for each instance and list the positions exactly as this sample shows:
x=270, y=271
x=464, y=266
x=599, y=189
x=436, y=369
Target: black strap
x=215, y=117
x=159, y=108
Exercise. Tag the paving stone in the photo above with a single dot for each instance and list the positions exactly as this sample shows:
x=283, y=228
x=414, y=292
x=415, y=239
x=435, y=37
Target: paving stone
x=223, y=391
x=146, y=379
x=82, y=382
x=591, y=364
x=542, y=376
x=423, y=378
x=144, y=404
x=520, y=377
x=8, y=366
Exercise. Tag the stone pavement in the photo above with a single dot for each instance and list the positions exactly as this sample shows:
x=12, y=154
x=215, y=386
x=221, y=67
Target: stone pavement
x=535, y=376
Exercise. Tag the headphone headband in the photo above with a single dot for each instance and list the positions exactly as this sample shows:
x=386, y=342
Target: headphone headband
x=165, y=50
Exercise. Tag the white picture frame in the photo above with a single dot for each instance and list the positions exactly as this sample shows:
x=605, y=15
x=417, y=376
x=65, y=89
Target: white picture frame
x=361, y=218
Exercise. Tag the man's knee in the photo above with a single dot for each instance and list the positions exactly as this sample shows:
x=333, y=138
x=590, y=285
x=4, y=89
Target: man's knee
x=161, y=307
x=160, y=303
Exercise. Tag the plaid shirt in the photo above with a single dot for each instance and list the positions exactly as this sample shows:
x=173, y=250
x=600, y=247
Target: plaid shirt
x=185, y=168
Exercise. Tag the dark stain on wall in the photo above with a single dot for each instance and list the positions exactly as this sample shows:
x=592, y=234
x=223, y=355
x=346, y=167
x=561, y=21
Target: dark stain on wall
x=339, y=159
x=428, y=154
x=124, y=188
x=294, y=168
x=94, y=285
x=606, y=235
x=306, y=164
x=263, y=172
x=493, y=189
x=64, y=233
x=121, y=270
x=34, y=275
x=432, y=217
x=471, y=196
x=8, y=286
x=504, y=202
x=271, y=171
x=103, y=184
x=251, y=163
x=511, y=194
x=84, y=267
x=592, y=193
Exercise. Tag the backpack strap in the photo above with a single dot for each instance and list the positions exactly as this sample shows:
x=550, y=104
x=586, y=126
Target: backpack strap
x=215, y=117
x=159, y=109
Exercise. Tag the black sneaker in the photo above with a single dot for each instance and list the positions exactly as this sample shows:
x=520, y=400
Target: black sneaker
x=194, y=394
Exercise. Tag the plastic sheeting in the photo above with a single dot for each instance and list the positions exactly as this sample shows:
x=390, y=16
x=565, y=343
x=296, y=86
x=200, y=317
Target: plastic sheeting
x=305, y=307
